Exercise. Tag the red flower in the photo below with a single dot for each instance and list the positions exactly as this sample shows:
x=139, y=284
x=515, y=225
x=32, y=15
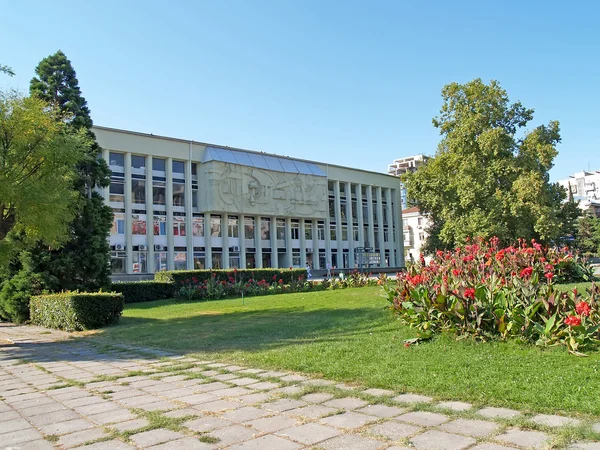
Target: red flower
x=470, y=293
x=406, y=344
x=573, y=321
x=549, y=276
x=274, y=277
x=526, y=272
x=583, y=308
x=455, y=272
x=500, y=255
x=280, y=281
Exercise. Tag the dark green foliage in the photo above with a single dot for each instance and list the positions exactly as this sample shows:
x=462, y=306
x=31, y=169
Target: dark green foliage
x=72, y=311
x=145, y=291
x=587, y=236
x=240, y=275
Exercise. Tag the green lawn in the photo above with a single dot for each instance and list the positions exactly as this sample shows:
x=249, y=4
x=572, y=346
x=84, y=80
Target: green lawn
x=348, y=335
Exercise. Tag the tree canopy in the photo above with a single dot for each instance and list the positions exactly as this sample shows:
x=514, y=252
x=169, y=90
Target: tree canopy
x=37, y=160
x=485, y=179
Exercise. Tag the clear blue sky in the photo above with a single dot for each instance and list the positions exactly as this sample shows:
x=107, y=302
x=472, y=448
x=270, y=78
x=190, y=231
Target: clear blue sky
x=345, y=82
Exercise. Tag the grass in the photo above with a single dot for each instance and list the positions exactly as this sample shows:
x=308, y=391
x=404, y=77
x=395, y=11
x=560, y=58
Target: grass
x=348, y=335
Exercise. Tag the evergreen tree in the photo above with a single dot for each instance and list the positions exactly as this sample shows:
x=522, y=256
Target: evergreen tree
x=84, y=261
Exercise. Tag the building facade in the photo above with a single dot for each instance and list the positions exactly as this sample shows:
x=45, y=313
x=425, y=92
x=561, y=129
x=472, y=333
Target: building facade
x=188, y=205
x=403, y=165
x=585, y=188
x=414, y=225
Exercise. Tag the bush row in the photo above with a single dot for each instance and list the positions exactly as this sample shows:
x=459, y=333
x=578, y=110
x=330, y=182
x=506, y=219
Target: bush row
x=145, y=291
x=178, y=276
x=74, y=311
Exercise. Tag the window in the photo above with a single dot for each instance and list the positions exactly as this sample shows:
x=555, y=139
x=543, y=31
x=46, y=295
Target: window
x=233, y=227
x=138, y=225
x=178, y=169
x=158, y=164
x=404, y=223
x=215, y=228
x=159, y=195
x=118, y=261
x=321, y=230
x=355, y=232
x=160, y=226
x=249, y=227
x=180, y=259
x=331, y=208
x=138, y=162
x=365, y=209
x=116, y=159
x=295, y=229
x=296, y=257
x=386, y=237
x=198, y=226
x=178, y=194
x=308, y=234
x=139, y=262
x=281, y=229
x=117, y=190
x=194, y=169
x=178, y=226
x=332, y=232
x=421, y=237
x=420, y=221
x=265, y=228
x=138, y=190
x=118, y=224
x=160, y=261
x=344, y=232
x=354, y=209
x=199, y=260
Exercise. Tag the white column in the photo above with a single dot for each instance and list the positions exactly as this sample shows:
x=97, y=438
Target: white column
x=302, y=244
x=338, y=224
x=359, y=214
x=390, y=224
x=225, y=220
x=149, y=215
x=207, y=241
x=315, y=241
x=169, y=193
x=380, y=223
x=128, y=215
x=258, y=242
x=242, y=238
x=350, y=224
x=288, y=242
x=273, y=232
x=399, y=228
x=189, y=235
x=371, y=237
x=106, y=190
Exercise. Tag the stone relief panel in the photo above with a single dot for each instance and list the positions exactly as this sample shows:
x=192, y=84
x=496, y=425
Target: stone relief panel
x=249, y=190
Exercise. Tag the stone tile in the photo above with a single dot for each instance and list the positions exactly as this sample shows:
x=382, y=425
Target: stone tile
x=36, y=402
x=233, y=434
x=293, y=378
x=153, y=437
x=311, y=411
x=473, y=428
x=554, y=421
x=108, y=445
x=379, y=392
x=317, y=397
x=585, y=446
x=455, y=406
x=131, y=425
x=268, y=442
x=14, y=425
x=271, y=374
x=412, y=398
x=318, y=382
x=394, y=431
x=224, y=377
x=161, y=405
x=35, y=445
x=438, y=440
x=309, y=433
x=68, y=426
x=489, y=446
x=9, y=415
x=208, y=387
x=346, y=403
x=348, y=420
x=81, y=401
x=254, y=398
x=182, y=413
x=97, y=408
x=81, y=437
x=351, y=442
x=210, y=373
x=197, y=399
x=215, y=365
x=529, y=439
x=271, y=424
x=117, y=415
x=56, y=416
x=208, y=423
x=219, y=405
x=177, y=393
x=188, y=443
x=381, y=411
x=288, y=390
x=502, y=413
x=243, y=381
x=424, y=418
x=283, y=404
x=19, y=437
x=135, y=402
x=230, y=392
x=245, y=414
x=263, y=385
x=252, y=371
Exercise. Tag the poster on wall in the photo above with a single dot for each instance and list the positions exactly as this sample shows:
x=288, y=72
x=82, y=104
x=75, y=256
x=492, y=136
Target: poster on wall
x=198, y=226
x=160, y=225
x=178, y=226
x=138, y=225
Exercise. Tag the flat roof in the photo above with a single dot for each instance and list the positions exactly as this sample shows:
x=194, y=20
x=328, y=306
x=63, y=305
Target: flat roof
x=207, y=144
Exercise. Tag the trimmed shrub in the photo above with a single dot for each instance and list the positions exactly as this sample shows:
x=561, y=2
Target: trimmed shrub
x=237, y=275
x=145, y=291
x=74, y=311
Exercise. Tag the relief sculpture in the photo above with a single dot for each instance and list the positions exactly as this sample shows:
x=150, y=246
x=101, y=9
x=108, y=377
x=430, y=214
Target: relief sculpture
x=249, y=190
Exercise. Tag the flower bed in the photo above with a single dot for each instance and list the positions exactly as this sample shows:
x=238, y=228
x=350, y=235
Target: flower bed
x=483, y=291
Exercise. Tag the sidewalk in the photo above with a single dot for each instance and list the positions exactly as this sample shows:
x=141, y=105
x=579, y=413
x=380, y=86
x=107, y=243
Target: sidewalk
x=81, y=393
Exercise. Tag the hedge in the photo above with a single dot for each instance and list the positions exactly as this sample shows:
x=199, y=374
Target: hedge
x=73, y=311
x=180, y=276
x=145, y=291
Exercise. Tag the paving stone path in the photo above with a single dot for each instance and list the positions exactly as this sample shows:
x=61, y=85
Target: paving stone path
x=61, y=393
